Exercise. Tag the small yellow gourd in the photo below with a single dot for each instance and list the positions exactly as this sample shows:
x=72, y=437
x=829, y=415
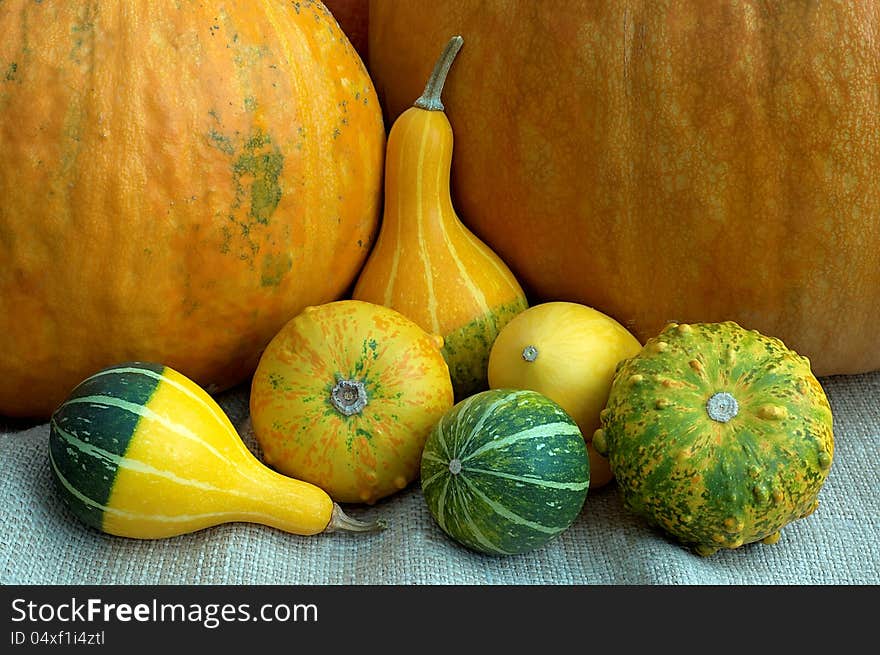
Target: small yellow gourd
x=426, y=263
x=568, y=352
x=139, y=450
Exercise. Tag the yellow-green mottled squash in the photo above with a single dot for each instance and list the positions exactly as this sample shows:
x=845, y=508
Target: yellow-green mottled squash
x=177, y=180
x=344, y=397
x=719, y=435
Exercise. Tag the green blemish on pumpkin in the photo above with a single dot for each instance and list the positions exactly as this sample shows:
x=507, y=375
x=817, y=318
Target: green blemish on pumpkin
x=256, y=174
x=220, y=141
x=227, y=239
x=11, y=71
x=275, y=267
x=466, y=350
x=249, y=56
x=82, y=30
x=264, y=169
x=250, y=103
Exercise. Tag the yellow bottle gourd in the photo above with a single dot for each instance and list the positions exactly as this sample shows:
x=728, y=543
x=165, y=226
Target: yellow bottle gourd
x=426, y=263
x=139, y=450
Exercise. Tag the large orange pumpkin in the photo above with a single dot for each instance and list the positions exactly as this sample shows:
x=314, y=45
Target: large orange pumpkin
x=177, y=180
x=673, y=160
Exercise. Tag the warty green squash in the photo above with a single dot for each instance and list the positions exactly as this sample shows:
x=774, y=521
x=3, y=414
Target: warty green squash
x=718, y=435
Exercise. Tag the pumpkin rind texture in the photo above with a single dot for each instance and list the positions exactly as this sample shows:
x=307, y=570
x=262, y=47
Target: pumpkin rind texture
x=505, y=471
x=139, y=450
x=177, y=181
x=667, y=161
x=718, y=435
x=344, y=397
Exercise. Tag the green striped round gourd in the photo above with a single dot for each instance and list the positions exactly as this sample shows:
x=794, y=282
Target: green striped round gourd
x=139, y=450
x=505, y=471
x=719, y=435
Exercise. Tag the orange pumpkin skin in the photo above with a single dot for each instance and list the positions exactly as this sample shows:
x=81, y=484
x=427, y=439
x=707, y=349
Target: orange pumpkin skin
x=669, y=160
x=305, y=408
x=176, y=182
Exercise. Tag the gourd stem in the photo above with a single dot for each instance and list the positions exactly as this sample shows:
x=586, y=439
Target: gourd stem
x=430, y=98
x=349, y=397
x=722, y=407
x=339, y=520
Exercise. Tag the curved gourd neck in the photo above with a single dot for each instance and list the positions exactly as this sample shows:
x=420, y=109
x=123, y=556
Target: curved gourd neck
x=419, y=154
x=418, y=166
x=263, y=495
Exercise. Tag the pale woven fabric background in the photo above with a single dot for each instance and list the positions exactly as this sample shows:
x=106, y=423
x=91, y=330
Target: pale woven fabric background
x=41, y=542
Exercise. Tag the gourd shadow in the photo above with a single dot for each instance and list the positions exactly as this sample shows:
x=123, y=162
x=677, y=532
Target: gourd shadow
x=71, y=539
x=637, y=534
x=13, y=424
x=245, y=430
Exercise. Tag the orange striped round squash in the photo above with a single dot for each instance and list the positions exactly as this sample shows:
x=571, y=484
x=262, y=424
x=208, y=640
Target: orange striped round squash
x=344, y=397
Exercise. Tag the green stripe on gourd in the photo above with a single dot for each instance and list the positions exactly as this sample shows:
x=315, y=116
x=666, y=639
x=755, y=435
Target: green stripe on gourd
x=505, y=471
x=84, y=461
x=717, y=434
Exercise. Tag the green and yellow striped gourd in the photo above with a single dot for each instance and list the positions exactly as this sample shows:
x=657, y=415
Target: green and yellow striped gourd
x=719, y=435
x=505, y=471
x=139, y=450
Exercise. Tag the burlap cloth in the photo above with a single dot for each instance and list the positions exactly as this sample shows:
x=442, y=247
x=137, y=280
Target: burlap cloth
x=42, y=543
